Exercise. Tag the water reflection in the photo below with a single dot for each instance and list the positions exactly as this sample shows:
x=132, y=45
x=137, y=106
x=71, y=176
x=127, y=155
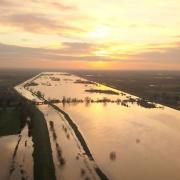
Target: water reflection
x=121, y=137
x=126, y=102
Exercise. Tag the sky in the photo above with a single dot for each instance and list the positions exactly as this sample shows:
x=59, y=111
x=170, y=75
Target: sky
x=90, y=34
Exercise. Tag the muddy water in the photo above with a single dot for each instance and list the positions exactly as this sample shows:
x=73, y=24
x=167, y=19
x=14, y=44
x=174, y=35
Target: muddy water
x=16, y=156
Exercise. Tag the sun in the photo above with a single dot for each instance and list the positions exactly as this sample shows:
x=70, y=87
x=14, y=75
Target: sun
x=99, y=32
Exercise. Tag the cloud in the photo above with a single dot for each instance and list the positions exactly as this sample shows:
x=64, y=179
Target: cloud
x=54, y=3
x=61, y=6
x=39, y=16
x=51, y=3
x=37, y=23
x=161, y=55
x=77, y=47
x=10, y=52
x=71, y=52
x=6, y=3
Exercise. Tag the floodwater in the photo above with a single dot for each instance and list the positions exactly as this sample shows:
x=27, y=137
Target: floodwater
x=68, y=88
x=7, y=144
x=146, y=142
x=66, y=147
x=16, y=161
x=127, y=142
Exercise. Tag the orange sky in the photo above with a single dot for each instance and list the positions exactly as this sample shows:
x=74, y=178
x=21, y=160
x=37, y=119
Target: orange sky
x=96, y=34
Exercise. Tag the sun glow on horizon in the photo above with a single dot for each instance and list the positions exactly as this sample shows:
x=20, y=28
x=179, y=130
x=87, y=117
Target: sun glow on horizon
x=98, y=65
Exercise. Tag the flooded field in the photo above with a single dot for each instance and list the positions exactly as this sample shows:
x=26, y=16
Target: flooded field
x=128, y=137
x=17, y=160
